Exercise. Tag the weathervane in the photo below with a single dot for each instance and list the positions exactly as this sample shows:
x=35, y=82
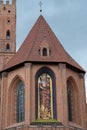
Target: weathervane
x=40, y=3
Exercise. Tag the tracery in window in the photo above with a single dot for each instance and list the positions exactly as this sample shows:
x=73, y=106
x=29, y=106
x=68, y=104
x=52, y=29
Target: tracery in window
x=20, y=102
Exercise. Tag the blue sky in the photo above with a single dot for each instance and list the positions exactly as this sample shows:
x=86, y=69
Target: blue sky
x=67, y=18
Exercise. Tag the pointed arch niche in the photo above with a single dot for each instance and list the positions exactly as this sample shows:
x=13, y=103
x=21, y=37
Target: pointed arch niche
x=72, y=101
x=44, y=49
x=16, y=108
x=8, y=35
x=7, y=47
x=45, y=94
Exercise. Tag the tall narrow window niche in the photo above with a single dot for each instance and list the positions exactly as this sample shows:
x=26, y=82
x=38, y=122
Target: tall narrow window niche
x=8, y=35
x=19, y=92
x=69, y=100
x=44, y=52
x=7, y=47
x=72, y=101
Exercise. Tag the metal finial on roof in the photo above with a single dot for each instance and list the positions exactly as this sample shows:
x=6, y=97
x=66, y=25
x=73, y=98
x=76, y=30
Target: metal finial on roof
x=40, y=3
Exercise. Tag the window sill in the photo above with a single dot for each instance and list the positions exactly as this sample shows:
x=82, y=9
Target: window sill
x=75, y=125
x=15, y=125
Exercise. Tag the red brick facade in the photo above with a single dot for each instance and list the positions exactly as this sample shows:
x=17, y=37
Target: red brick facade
x=7, y=31
x=41, y=53
x=62, y=74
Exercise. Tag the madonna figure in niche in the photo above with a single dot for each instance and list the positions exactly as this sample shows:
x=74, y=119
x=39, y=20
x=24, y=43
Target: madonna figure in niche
x=45, y=97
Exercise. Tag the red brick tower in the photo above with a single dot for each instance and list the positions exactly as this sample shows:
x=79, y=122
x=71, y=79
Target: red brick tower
x=7, y=31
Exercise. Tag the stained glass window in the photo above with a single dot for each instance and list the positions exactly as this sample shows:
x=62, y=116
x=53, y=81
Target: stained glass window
x=45, y=94
x=20, y=102
x=45, y=103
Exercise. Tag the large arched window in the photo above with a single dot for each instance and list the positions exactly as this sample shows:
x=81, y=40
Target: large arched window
x=19, y=92
x=45, y=94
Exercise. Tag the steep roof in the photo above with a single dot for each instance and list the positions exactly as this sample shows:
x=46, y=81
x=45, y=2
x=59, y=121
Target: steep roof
x=29, y=51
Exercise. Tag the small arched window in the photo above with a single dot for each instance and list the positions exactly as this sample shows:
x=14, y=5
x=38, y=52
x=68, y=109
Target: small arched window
x=7, y=47
x=8, y=35
x=39, y=52
x=20, y=102
x=44, y=52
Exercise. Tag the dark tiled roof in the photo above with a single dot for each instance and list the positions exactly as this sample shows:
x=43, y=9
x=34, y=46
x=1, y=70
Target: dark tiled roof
x=28, y=52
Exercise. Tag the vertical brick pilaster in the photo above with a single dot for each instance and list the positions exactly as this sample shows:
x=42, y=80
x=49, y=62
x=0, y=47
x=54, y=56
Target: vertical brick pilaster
x=27, y=92
x=63, y=94
x=3, y=99
x=0, y=102
x=82, y=100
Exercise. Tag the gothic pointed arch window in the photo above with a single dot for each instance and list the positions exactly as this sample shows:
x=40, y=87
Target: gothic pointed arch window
x=16, y=98
x=8, y=35
x=45, y=94
x=7, y=47
x=72, y=101
x=44, y=52
x=19, y=92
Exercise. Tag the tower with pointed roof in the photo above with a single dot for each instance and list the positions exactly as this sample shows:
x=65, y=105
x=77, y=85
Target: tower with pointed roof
x=7, y=31
x=42, y=86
